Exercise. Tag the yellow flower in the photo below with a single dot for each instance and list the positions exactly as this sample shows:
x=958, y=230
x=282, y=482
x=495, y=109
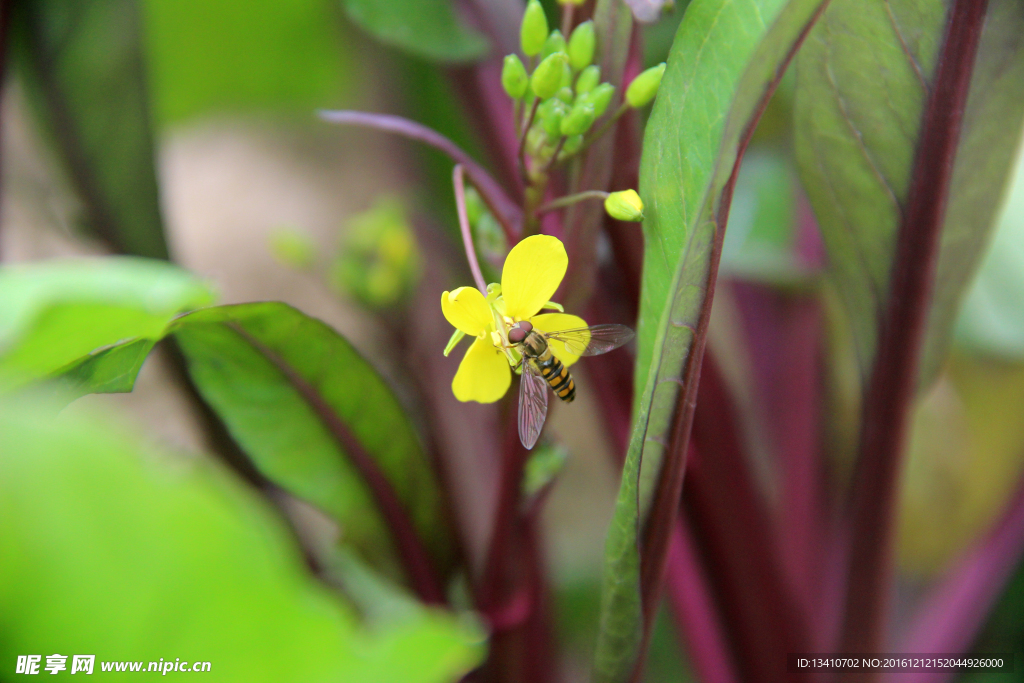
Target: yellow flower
x=531, y=275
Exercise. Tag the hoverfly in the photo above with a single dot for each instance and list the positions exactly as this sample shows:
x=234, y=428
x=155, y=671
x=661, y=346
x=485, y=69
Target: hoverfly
x=541, y=366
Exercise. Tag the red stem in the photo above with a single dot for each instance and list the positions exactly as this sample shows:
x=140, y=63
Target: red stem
x=892, y=385
x=733, y=528
x=695, y=613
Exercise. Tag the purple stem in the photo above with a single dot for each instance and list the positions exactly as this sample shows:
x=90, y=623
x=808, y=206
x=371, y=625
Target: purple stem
x=892, y=384
x=504, y=209
x=955, y=610
x=419, y=568
x=695, y=612
x=467, y=234
x=735, y=532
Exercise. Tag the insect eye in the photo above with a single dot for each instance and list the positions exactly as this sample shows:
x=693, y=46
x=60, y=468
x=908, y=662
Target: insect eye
x=516, y=335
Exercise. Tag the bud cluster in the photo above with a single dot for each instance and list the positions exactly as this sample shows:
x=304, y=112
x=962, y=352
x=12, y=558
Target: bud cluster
x=558, y=103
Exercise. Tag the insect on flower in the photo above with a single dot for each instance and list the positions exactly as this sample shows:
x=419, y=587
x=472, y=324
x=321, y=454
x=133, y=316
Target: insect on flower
x=511, y=332
x=540, y=364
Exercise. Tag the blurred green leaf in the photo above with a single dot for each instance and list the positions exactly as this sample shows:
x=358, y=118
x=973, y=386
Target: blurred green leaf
x=722, y=63
x=992, y=319
x=237, y=356
x=425, y=28
x=863, y=81
x=112, y=549
x=84, y=71
x=55, y=313
x=208, y=56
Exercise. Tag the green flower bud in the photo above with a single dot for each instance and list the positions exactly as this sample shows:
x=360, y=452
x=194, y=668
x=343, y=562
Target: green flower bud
x=567, y=75
x=514, y=78
x=581, y=45
x=547, y=77
x=534, y=30
x=588, y=79
x=579, y=120
x=625, y=206
x=554, y=43
x=601, y=97
x=645, y=86
x=565, y=94
x=572, y=145
x=551, y=112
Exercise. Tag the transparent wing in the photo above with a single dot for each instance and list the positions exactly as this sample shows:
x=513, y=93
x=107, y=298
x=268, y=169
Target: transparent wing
x=592, y=341
x=533, y=404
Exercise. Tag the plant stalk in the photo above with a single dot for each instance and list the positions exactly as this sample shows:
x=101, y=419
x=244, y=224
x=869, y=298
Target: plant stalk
x=893, y=381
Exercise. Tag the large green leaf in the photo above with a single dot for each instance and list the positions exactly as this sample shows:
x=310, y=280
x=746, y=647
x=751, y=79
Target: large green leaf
x=425, y=28
x=85, y=72
x=55, y=313
x=249, y=361
x=863, y=82
x=112, y=549
x=723, y=63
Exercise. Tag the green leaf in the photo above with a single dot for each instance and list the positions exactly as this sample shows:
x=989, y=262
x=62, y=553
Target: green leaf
x=246, y=360
x=55, y=313
x=212, y=56
x=85, y=74
x=863, y=82
x=424, y=28
x=720, y=70
x=112, y=549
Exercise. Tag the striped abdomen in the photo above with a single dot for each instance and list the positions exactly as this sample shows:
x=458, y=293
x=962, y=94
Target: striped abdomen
x=556, y=375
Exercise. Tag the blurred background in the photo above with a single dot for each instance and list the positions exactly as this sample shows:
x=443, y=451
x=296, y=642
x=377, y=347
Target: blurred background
x=270, y=203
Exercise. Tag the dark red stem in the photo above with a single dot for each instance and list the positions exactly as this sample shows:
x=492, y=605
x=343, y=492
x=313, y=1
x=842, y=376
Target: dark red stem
x=893, y=380
x=419, y=568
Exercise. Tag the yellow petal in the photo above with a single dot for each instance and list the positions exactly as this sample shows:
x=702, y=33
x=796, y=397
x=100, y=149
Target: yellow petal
x=533, y=270
x=556, y=322
x=484, y=375
x=466, y=309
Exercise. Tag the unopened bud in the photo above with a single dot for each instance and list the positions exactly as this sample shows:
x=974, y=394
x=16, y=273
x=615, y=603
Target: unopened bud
x=625, y=206
x=572, y=145
x=551, y=113
x=514, y=77
x=554, y=43
x=579, y=119
x=534, y=29
x=547, y=77
x=645, y=86
x=601, y=97
x=588, y=79
x=565, y=94
x=581, y=46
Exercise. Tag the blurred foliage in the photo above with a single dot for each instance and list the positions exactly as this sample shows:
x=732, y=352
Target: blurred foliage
x=378, y=262
x=280, y=381
x=108, y=547
x=293, y=248
x=210, y=56
x=991, y=320
x=84, y=71
x=52, y=314
x=424, y=28
x=1004, y=632
x=965, y=459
